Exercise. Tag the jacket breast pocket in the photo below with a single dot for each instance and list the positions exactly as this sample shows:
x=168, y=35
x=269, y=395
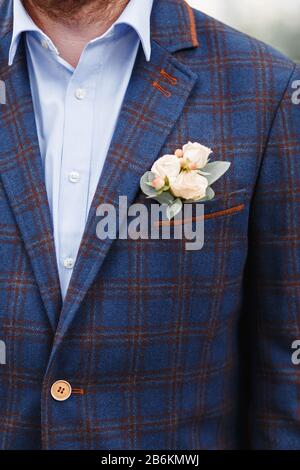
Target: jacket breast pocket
x=223, y=206
x=226, y=216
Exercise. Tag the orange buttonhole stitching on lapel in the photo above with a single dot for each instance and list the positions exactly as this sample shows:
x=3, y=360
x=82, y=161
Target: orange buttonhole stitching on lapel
x=169, y=78
x=165, y=92
x=78, y=391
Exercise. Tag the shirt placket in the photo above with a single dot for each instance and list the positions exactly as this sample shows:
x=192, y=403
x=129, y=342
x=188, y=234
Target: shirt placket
x=75, y=166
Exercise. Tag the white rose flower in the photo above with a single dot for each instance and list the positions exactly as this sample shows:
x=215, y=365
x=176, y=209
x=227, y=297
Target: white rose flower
x=197, y=154
x=189, y=185
x=167, y=166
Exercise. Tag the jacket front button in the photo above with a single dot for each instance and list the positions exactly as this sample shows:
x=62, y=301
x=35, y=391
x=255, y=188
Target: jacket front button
x=61, y=390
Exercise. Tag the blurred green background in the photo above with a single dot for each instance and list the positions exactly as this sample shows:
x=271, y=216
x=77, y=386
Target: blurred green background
x=276, y=22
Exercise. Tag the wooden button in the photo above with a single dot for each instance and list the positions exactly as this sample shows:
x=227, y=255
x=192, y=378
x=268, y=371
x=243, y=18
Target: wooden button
x=61, y=390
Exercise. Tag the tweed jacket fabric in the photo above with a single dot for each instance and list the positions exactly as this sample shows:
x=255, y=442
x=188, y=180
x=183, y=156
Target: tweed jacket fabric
x=167, y=348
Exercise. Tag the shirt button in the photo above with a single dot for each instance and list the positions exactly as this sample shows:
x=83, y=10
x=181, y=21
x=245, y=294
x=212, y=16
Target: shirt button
x=69, y=263
x=61, y=390
x=74, y=177
x=80, y=93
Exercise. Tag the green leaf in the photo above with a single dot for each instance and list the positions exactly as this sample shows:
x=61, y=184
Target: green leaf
x=144, y=184
x=164, y=198
x=215, y=170
x=174, y=208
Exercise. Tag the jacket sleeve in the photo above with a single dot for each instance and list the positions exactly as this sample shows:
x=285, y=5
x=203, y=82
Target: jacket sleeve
x=273, y=283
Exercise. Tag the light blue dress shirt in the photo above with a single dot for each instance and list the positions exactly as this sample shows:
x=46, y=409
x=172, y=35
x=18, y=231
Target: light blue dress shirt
x=76, y=111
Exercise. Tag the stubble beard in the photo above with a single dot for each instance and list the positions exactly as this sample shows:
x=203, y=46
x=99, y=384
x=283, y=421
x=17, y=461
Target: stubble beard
x=77, y=11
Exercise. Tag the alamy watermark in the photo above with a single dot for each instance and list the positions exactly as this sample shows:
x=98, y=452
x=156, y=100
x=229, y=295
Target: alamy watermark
x=2, y=92
x=296, y=93
x=296, y=354
x=2, y=353
x=139, y=221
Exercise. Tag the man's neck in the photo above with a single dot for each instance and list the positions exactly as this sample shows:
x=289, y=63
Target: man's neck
x=70, y=35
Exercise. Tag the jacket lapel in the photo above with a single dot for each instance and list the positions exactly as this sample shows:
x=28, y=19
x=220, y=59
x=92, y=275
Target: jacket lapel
x=152, y=106
x=23, y=177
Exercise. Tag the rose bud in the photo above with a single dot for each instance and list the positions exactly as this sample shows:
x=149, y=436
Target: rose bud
x=158, y=183
x=179, y=153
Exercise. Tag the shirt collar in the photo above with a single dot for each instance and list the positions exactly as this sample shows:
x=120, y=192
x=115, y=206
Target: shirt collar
x=137, y=15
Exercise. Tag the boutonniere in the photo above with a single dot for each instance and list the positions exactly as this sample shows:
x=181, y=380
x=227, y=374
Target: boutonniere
x=184, y=177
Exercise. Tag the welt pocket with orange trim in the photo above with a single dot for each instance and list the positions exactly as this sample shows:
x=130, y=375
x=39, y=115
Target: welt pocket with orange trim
x=222, y=206
x=226, y=204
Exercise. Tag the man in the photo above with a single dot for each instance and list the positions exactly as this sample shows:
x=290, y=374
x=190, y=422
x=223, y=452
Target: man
x=141, y=344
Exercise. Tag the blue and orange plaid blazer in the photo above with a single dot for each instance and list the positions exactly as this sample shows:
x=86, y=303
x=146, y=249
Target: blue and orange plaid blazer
x=166, y=348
